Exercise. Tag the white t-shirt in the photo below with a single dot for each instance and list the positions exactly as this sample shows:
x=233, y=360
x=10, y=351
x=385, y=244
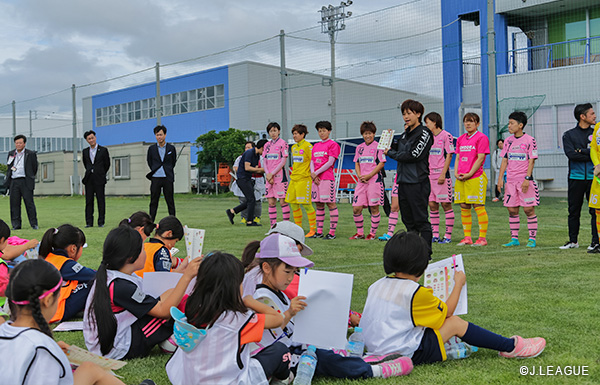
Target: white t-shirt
x=34, y=358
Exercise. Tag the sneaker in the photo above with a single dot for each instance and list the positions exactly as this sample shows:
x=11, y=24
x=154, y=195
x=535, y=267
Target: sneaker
x=375, y=359
x=329, y=237
x=569, y=245
x=398, y=367
x=243, y=221
x=168, y=346
x=435, y=240
x=531, y=243
x=465, y=241
x=595, y=250
x=230, y=215
x=370, y=237
x=357, y=236
x=315, y=235
x=495, y=199
x=513, y=242
x=592, y=246
x=480, y=242
x=257, y=219
x=252, y=224
x=525, y=347
x=445, y=241
x=385, y=237
x=310, y=234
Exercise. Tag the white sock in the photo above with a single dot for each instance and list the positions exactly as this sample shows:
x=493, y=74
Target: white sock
x=377, y=371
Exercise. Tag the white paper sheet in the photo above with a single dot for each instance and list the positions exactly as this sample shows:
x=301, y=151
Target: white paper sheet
x=386, y=139
x=440, y=277
x=69, y=326
x=157, y=282
x=324, y=322
x=194, y=241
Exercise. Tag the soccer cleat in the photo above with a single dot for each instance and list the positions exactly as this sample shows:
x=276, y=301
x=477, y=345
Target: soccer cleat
x=378, y=359
x=465, y=241
x=315, y=235
x=495, y=199
x=243, y=221
x=398, y=367
x=531, y=243
x=310, y=234
x=357, y=236
x=480, y=242
x=435, y=240
x=595, y=250
x=385, y=237
x=257, y=219
x=514, y=242
x=525, y=347
x=329, y=237
x=370, y=237
x=569, y=245
x=445, y=241
x=230, y=215
x=592, y=246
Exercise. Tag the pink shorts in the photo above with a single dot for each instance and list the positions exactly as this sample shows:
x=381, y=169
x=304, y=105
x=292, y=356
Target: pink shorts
x=277, y=189
x=441, y=192
x=324, y=192
x=368, y=194
x=395, y=191
x=515, y=197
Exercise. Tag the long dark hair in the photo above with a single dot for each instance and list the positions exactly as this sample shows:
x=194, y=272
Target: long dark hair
x=28, y=281
x=170, y=223
x=123, y=245
x=61, y=237
x=217, y=290
x=249, y=255
x=4, y=230
x=140, y=219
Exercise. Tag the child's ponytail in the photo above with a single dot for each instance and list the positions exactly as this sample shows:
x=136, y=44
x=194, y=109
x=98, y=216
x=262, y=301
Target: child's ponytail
x=170, y=223
x=123, y=245
x=61, y=237
x=29, y=282
x=248, y=255
x=4, y=230
x=140, y=219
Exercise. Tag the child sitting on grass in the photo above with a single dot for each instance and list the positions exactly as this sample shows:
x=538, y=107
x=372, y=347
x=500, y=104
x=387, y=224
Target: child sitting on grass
x=404, y=317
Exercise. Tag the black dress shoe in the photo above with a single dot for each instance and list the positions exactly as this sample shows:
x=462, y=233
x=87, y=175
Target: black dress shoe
x=100, y=225
x=253, y=224
x=36, y=227
x=89, y=226
x=16, y=228
x=230, y=215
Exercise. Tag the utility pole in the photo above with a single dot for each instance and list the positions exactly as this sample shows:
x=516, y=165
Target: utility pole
x=158, y=103
x=75, y=149
x=283, y=72
x=14, y=111
x=492, y=89
x=333, y=20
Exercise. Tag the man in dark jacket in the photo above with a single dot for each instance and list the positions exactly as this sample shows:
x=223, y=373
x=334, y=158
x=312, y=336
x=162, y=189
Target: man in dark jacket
x=96, y=161
x=22, y=167
x=412, y=155
x=161, y=159
x=576, y=144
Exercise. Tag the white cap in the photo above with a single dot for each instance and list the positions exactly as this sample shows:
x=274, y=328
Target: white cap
x=292, y=230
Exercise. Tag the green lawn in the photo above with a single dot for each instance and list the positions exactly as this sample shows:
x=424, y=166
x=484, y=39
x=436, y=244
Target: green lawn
x=531, y=292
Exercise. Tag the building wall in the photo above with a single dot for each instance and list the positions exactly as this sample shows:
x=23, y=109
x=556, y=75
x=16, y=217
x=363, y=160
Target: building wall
x=135, y=184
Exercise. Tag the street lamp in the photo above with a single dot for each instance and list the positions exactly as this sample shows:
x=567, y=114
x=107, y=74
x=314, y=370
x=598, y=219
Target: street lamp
x=333, y=20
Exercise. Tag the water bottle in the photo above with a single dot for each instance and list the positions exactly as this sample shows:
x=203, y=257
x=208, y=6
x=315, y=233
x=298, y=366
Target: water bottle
x=306, y=366
x=356, y=343
x=460, y=350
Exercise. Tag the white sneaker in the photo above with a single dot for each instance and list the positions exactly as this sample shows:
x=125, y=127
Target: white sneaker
x=569, y=245
x=592, y=246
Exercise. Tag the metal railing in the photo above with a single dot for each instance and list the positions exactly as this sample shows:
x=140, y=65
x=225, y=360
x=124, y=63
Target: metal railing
x=562, y=54
x=471, y=71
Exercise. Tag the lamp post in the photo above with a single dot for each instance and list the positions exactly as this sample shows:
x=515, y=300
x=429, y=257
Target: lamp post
x=333, y=20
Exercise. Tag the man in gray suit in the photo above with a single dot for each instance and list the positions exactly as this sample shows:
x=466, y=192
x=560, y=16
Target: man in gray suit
x=20, y=179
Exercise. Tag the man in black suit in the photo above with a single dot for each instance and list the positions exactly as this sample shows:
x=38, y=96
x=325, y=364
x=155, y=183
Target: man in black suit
x=96, y=161
x=161, y=159
x=20, y=179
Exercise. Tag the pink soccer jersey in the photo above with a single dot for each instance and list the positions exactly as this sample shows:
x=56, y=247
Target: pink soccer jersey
x=467, y=148
x=367, y=157
x=320, y=155
x=518, y=151
x=273, y=153
x=443, y=144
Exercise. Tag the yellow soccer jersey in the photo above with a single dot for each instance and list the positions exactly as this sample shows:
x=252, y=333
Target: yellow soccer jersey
x=428, y=310
x=301, y=153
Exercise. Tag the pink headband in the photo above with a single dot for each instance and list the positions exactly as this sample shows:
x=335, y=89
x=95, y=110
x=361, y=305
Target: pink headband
x=44, y=295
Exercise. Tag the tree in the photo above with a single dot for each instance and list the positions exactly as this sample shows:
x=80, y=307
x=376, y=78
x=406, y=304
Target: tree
x=223, y=146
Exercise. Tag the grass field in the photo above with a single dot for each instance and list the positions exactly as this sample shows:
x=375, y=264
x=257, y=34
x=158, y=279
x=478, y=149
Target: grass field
x=531, y=292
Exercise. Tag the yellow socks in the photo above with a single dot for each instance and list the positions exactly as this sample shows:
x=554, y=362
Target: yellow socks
x=482, y=218
x=467, y=221
x=296, y=213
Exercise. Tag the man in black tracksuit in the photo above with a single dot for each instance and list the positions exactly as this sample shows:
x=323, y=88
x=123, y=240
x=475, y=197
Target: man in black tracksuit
x=576, y=144
x=412, y=154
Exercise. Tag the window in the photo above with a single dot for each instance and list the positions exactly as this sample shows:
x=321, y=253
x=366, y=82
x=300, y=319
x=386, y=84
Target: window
x=121, y=167
x=47, y=172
